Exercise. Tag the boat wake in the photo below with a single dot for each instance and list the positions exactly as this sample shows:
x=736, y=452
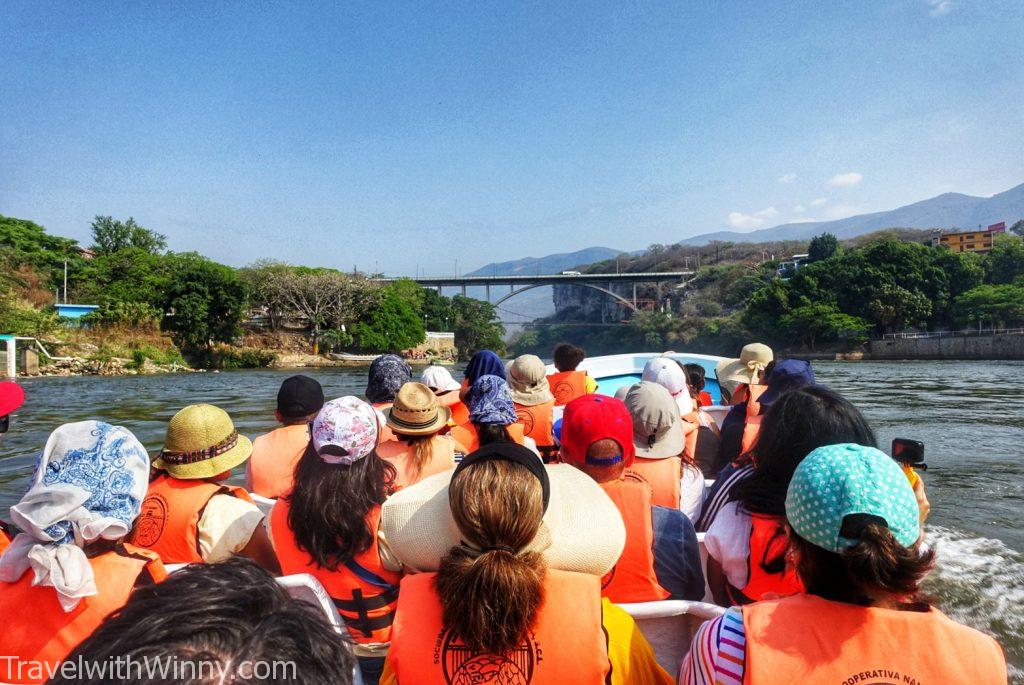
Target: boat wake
x=980, y=582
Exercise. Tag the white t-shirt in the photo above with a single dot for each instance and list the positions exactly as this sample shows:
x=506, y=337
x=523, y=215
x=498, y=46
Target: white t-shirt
x=728, y=543
x=226, y=526
x=691, y=492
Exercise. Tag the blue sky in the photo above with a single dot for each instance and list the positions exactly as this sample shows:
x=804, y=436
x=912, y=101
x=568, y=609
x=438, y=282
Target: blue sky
x=402, y=137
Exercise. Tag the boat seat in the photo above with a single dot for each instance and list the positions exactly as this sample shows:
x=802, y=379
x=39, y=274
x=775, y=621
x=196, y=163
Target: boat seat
x=704, y=569
x=669, y=626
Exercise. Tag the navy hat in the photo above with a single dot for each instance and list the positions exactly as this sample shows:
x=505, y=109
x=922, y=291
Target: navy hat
x=299, y=396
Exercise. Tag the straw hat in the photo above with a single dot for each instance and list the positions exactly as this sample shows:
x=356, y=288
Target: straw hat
x=753, y=359
x=582, y=529
x=528, y=381
x=202, y=443
x=416, y=411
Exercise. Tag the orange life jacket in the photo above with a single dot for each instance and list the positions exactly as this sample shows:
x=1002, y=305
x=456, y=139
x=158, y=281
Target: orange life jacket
x=565, y=645
x=6, y=536
x=691, y=424
x=538, y=422
x=362, y=589
x=466, y=435
x=633, y=578
x=37, y=629
x=752, y=423
x=662, y=476
x=567, y=386
x=169, y=521
x=807, y=639
x=460, y=412
x=767, y=571
x=741, y=394
x=271, y=468
x=402, y=456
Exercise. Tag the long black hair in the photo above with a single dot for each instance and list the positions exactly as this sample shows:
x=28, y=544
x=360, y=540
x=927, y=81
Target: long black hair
x=797, y=423
x=330, y=502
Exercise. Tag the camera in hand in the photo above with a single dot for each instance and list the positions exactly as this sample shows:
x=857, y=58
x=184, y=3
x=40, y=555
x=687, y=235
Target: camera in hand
x=909, y=452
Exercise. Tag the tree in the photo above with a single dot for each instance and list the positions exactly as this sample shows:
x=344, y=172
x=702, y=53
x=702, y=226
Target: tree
x=822, y=321
x=1018, y=228
x=998, y=305
x=392, y=324
x=127, y=275
x=204, y=301
x=110, y=235
x=476, y=327
x=23, y=242
x=438, y=313
x=822, y=247
x=1006, y=260
x=897, y=308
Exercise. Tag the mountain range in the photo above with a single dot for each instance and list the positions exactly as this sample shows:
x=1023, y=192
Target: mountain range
x=551, y=264
x=949, y=210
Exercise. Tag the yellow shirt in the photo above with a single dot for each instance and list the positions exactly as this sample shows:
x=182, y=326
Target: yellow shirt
x=590, y=385
x=629, y=652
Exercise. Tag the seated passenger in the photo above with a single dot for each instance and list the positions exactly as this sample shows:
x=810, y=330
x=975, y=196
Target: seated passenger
x=189, y=515
x=662, y=557
x=741, y=424
x=387, y=374
x=696, y=375
x=446, y=388
x=492, y=416
x=857, y=543
x=746, y=539
x=534, y=404
x=702, y=442
x=482, y=363
x=69, y=567
x=495, y=611
x=327, y=526
x=275, y=454
x=227, y=621
x=418, y=449
x=11, y=397
x=661, y=460
x=567, y=383
x=735, y=376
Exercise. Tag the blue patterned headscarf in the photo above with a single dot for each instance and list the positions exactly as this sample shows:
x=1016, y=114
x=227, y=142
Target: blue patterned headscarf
x=484, y=363
x=388, y=373
x=89, y=484
x=489, y=401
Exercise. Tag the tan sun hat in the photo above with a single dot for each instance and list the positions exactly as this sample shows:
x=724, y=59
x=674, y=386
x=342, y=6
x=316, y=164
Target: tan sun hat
x=416, y=411
x=528, y=381
x=657, y=426
x=582, y=529
x=202, y=443
x=734, y=372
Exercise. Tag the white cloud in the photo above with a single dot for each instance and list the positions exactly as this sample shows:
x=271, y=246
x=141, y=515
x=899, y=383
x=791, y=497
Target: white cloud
x=847, y=180
x=799, y=209
x=818, y=201
x=940, y=7
x=804, y=220
x=748, y=221
x=787, y=178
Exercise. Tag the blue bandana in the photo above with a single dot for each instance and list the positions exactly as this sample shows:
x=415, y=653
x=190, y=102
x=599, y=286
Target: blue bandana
x=388, y=373
x=489, y=401
x=484, y=363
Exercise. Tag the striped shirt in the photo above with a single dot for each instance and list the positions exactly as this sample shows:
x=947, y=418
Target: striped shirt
x=720, y=494
x=718, y=653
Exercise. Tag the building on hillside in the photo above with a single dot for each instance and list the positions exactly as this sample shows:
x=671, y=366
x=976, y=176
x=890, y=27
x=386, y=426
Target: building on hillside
x=790, y=266
x=72, y=313
x=968, y=241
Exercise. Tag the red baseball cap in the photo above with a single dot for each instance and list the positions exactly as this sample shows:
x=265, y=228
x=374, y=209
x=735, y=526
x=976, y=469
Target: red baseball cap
x=590, y=418
x=11, y=397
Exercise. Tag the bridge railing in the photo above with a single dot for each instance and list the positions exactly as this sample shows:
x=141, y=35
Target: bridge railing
x=966, y=333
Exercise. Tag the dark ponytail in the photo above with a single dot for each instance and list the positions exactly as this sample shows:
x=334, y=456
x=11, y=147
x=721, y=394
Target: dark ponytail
x=489, y=433
x=878, y=563
x=490, y=599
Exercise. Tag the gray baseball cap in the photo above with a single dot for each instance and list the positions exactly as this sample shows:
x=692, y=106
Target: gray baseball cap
x=657, y=426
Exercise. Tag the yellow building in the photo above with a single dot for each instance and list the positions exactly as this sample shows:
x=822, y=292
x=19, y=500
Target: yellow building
x=969, y=241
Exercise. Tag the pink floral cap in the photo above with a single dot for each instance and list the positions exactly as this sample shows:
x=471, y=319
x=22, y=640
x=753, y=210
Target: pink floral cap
x=345, y=430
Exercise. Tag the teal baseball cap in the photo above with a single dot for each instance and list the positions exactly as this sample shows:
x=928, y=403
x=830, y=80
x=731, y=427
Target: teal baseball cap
x=837, y=481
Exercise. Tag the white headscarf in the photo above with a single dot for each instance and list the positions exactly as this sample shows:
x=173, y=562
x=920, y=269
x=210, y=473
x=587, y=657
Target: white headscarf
x=668, y=374
x=439, y=379
x=89, y=484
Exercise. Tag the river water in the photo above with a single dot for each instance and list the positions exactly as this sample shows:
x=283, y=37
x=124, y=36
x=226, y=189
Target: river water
x=969, y=414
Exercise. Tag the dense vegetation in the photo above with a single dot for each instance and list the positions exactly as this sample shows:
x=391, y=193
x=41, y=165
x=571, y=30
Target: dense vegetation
x=140, y=286
x=843, y=294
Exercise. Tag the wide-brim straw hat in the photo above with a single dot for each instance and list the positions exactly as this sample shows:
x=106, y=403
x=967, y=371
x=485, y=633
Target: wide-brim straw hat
x=416, y=411
x=202, y=443
x=528, y=381
x=582, y=529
